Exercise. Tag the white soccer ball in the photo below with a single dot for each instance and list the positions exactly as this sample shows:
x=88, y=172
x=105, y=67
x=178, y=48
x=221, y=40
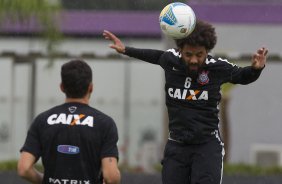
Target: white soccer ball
x=177, y=20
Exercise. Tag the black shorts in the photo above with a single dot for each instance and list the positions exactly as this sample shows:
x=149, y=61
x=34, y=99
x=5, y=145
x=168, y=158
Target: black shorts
x=193, y=163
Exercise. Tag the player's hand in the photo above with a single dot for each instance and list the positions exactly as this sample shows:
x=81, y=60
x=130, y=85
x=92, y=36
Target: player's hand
x=259, y=58
x=117, y=43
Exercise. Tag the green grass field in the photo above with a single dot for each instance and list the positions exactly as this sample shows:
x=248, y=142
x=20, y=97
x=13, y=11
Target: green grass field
x=229, y=169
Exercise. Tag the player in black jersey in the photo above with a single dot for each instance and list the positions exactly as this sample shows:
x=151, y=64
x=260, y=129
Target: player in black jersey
x=77, y=143
x=194, y=151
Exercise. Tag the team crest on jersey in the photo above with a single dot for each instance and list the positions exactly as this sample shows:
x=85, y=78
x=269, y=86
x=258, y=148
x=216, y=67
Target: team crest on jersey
x=72, y=109
x=203, y=78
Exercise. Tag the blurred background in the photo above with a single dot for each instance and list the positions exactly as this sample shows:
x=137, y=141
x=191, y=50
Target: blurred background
x=37, y=37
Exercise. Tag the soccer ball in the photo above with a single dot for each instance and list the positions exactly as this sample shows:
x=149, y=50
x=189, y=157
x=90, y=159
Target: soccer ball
x=177, y=20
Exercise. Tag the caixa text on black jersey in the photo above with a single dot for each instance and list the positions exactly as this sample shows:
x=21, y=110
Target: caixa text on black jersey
x=188, y=94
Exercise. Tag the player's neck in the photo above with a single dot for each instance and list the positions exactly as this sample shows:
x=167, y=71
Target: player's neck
x=77, y=100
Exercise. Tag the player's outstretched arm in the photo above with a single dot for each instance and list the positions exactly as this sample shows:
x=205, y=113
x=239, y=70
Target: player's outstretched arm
x=259, y=58
x=117, y=43
x=148, y=55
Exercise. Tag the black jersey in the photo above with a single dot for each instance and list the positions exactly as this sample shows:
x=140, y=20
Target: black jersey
x=71, y=139
x=193, y=103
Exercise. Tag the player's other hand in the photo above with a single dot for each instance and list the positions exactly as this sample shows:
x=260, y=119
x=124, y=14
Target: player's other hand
x=117, y=43
x=259, y=58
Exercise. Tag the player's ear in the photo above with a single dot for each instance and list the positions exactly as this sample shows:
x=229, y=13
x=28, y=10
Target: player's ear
x=62, y=87
x=91, y=87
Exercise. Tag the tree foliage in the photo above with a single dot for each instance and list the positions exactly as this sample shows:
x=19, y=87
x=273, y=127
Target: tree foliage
x=43, y=12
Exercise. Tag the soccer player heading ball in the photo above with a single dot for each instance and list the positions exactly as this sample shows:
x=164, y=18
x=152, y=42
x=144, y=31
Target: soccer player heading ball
x=194, y=150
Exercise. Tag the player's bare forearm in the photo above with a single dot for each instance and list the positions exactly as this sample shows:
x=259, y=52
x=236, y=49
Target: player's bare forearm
x=33, y=176
x=111, y=173
x=26, y=168
x=37, y=177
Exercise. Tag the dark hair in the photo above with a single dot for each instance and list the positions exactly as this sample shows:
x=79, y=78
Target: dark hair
x=203, y=35
x=76, y=77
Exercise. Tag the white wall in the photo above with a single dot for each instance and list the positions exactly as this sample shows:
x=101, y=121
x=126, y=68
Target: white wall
x=255, y=113
x=6, y=78
x=238, y=39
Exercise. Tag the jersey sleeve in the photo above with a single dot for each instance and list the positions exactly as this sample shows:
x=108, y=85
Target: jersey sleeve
x=32, y=142
x=147, y=55
x=239, y=75
x=110, y=139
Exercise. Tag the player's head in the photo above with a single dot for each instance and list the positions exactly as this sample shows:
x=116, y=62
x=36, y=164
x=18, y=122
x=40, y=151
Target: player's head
x=203, y=35
x=76, y=76
x=195, y=47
